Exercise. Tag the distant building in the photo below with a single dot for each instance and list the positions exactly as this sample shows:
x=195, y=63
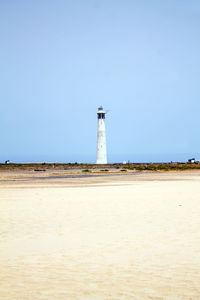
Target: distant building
x=193, y=161
x=7, y=162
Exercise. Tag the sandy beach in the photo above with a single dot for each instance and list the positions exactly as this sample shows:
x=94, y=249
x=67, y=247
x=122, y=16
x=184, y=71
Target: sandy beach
x=131, y=236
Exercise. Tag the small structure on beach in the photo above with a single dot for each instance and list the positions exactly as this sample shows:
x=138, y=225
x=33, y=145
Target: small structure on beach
x=193, y=161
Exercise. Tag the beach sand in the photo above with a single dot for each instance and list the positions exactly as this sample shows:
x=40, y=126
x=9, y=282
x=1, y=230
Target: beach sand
x=107, y=237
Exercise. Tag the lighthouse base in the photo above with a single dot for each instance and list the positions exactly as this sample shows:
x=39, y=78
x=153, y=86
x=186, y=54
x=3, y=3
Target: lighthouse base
x=101, y=162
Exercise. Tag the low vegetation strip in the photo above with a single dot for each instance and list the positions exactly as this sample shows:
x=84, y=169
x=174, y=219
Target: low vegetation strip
x=102, y=168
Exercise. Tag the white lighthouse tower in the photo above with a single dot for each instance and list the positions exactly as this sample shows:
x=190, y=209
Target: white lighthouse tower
x=101, y=137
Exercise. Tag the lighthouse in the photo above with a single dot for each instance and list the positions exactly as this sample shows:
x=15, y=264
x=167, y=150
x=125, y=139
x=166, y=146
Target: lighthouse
x=101, y=137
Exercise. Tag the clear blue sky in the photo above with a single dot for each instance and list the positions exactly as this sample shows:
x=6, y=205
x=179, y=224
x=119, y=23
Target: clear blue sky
x=60, y=60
